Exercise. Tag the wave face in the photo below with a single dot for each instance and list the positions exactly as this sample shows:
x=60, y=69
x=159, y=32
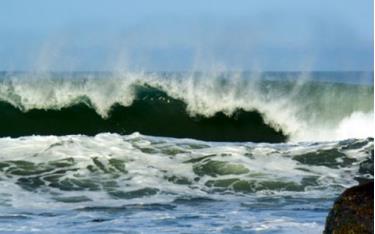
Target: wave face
x=208, y=106
x=152, y=112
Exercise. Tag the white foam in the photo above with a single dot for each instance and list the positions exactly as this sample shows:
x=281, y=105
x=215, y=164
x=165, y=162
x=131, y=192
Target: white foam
x=148, y=164
x=357, y=125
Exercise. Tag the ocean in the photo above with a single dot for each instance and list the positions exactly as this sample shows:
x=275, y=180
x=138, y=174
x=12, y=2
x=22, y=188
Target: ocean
x=180, y=152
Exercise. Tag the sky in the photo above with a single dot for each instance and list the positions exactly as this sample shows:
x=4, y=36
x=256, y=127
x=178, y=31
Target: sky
x=169, y=35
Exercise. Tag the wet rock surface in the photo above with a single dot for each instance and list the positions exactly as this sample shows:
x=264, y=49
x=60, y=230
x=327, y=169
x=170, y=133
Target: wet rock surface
x=353, y=211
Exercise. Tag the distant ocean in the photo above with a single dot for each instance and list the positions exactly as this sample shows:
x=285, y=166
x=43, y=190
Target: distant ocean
x=168, y=152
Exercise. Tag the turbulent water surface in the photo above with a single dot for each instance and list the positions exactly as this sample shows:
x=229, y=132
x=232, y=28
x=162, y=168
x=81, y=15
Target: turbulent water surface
x=178, y=152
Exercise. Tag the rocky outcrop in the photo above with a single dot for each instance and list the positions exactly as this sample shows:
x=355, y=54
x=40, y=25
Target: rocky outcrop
x=353, y=211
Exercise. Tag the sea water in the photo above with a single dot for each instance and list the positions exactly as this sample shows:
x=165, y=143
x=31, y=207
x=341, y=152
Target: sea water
x=180, y=152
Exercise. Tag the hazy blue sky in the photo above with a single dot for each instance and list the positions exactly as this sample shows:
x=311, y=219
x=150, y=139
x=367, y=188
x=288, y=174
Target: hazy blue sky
x=184, y=35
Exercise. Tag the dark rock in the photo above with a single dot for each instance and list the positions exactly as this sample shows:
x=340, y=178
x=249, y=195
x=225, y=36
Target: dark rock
x=353, y=211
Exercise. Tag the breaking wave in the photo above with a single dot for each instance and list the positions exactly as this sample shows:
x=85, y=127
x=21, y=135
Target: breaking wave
x=206, y=106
